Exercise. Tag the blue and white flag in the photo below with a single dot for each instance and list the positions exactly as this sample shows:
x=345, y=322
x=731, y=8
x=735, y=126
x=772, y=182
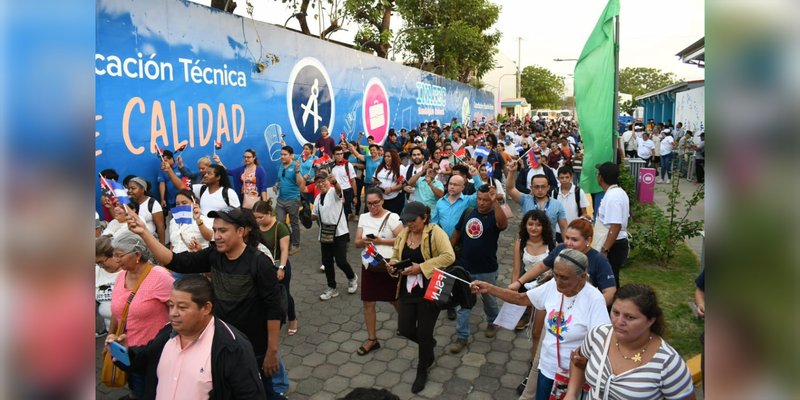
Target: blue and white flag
x=182, y=215
x=115, y=189
x=489, y=171
x=519, y=149
x=481, y=151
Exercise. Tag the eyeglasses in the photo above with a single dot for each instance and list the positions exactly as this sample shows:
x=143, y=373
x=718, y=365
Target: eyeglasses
x=374, y=203
x=118, y=256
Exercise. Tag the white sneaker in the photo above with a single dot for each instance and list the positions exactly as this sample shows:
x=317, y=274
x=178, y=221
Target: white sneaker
x=328, y=294
x=321, y=268
x=352, y=285
x=660, y=180
x=669, y=180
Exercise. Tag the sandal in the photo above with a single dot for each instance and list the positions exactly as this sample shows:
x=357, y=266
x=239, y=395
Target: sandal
x=291, y=331
x=363, y=350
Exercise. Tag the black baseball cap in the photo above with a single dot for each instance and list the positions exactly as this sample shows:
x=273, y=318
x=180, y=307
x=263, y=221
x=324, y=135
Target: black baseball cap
x=230, y=214
x=413, y=210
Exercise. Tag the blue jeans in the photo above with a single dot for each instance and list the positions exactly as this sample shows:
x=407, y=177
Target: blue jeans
x=280, y=379
x=489, y=307
x=666, y=165
x=543, y=387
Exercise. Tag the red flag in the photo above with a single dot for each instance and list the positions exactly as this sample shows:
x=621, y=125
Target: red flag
x=440, y=287
x=186, y=182
x=218, y=145
x=533, y=161
x=322, y=160
x=158, y=152
x=566, y=151
x=460, y=153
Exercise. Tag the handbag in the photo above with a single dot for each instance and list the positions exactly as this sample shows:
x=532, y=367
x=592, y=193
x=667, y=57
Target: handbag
x=561, y=379
x=111, y=375
x=327, y=232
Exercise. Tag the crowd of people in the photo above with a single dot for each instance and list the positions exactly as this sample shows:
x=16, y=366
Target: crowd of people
x=667, y=148
x=203, y=275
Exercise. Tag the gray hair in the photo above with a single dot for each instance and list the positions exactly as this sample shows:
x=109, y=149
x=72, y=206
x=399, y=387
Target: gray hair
x=575, y=259
x=128, y=241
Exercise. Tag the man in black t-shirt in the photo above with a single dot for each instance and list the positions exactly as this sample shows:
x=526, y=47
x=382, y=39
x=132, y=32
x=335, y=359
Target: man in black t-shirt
x=478, y=232
x=244, y=279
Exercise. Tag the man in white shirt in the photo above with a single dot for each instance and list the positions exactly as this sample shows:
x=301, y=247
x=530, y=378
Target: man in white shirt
x=646, y=149
x=572, y=197
x=628, y=142
x=611, y=228
x=345, y=175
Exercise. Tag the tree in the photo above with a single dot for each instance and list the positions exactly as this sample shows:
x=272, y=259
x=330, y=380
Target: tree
x=334, y=9
x=541, y=88
x=568, y=103
x=373, y=17
x=627, y=106
x=638, y=81
x=449, y=36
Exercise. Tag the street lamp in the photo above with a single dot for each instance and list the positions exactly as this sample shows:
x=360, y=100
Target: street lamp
x=499, y=89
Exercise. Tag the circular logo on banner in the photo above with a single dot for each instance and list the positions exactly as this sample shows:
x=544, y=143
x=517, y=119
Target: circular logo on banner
x=648, y=177
x=310, y=100
x=474, y=228
x=376, y=110
x=465, y=111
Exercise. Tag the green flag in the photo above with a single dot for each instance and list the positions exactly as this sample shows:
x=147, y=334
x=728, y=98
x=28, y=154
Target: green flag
x=594, y=96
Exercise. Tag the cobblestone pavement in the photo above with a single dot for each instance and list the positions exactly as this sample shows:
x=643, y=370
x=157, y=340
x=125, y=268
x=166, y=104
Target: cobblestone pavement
x=322, y=361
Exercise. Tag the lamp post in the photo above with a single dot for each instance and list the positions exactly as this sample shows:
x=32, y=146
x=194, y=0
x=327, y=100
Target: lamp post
x=499, y=89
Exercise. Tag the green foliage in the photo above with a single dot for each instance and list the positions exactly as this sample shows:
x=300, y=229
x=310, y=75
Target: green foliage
x=657, y=234
x=502, y=118
x=449, y=37
x=638, y=81
x=374, y=17
x=628, y=106
x=541, y=88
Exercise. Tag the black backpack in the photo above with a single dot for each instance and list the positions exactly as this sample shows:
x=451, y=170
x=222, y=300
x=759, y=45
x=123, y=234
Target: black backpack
x=224, y=194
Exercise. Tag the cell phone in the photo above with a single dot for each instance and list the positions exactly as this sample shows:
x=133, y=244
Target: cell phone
x=401, y=265
x=372, y=236
x=120, y=353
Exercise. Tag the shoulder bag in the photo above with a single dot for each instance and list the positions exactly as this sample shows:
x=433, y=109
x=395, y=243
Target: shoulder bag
x=327, y=232
x=111, y=375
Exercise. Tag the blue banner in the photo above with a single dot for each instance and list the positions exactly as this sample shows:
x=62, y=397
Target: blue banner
x=171, y=73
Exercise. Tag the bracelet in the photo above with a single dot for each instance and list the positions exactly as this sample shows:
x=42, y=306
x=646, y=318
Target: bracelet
x=520, y=282
x=201, y=223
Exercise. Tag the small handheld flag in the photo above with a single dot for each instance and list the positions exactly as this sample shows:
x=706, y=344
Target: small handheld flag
x=440, y=287
x=186, y=182
x=481, y=151
x=182, y=215
x=371, y=256
x=116, y=190
x=179, y=149
x=217, y=145
x=325, y=159
x=489, y=171
x=158, y=152
x=519, y=149
x=460, y=153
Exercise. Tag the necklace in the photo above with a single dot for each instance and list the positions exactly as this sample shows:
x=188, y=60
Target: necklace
x=637, y=358
x=412, y=243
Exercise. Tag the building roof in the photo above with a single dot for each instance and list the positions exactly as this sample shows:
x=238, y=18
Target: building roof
x=674, y=88
x=694, y=54
x=514, y=102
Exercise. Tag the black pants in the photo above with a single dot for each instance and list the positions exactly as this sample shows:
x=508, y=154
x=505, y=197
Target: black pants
x=416, y=320
x=359, y=188
x=286, y=282
x=617, y=255
x=631, y=153
x=266, y=380
x=348, y=201
x=700, y=170
x=338, y=251
x=396, y=204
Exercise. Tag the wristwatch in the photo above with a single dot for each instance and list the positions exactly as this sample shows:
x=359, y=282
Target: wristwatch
x=281, y=267
x=603, y=250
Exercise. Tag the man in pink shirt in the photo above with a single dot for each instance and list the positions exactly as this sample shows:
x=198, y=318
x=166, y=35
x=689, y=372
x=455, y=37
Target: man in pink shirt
x=196, y=355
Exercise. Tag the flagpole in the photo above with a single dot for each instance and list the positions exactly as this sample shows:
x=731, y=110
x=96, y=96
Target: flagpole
x=616, y=91
x=452, y=276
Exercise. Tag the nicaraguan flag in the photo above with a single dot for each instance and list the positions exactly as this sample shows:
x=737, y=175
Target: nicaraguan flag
x=518, y=148
x=481, y=151
x=182, y=215
x=489, y=171
x=116, y=189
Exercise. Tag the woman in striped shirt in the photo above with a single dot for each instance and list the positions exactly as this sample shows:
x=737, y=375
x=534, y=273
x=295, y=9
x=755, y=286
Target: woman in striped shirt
x=629, y=359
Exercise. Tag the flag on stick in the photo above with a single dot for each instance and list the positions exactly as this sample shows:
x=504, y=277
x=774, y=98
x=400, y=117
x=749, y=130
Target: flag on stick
x=460, y=153
x=116, y=190
x=371, y=256
x=594, y=94
x=182, y=215
x=440, y=287
x=481, y=151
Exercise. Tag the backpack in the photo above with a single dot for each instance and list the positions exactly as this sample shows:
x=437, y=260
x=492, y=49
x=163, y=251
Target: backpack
x=577, y=197
x=224, y=194
x=150, y=204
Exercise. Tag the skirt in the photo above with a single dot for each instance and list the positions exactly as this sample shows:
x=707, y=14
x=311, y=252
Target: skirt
x=377, y=286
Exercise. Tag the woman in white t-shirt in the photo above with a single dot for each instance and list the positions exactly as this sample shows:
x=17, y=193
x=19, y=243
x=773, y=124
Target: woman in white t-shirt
x=192, y=236
x=391, y=175
x=106, y=270
x=150, y=210
x=665, y=149
x=378, y=227
x=533, y=244
x=212, y=192
x=572, y=307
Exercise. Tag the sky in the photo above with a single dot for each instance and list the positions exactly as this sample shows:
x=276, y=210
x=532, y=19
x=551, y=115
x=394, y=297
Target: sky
x=651, y=33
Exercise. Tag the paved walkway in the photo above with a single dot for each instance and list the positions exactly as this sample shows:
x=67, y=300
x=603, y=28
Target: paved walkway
x=322, y=359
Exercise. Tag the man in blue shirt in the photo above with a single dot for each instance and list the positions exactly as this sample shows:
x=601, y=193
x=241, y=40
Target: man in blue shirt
x=166, y=189
x=449, y=208
x=539, y=199
x=290, y=184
